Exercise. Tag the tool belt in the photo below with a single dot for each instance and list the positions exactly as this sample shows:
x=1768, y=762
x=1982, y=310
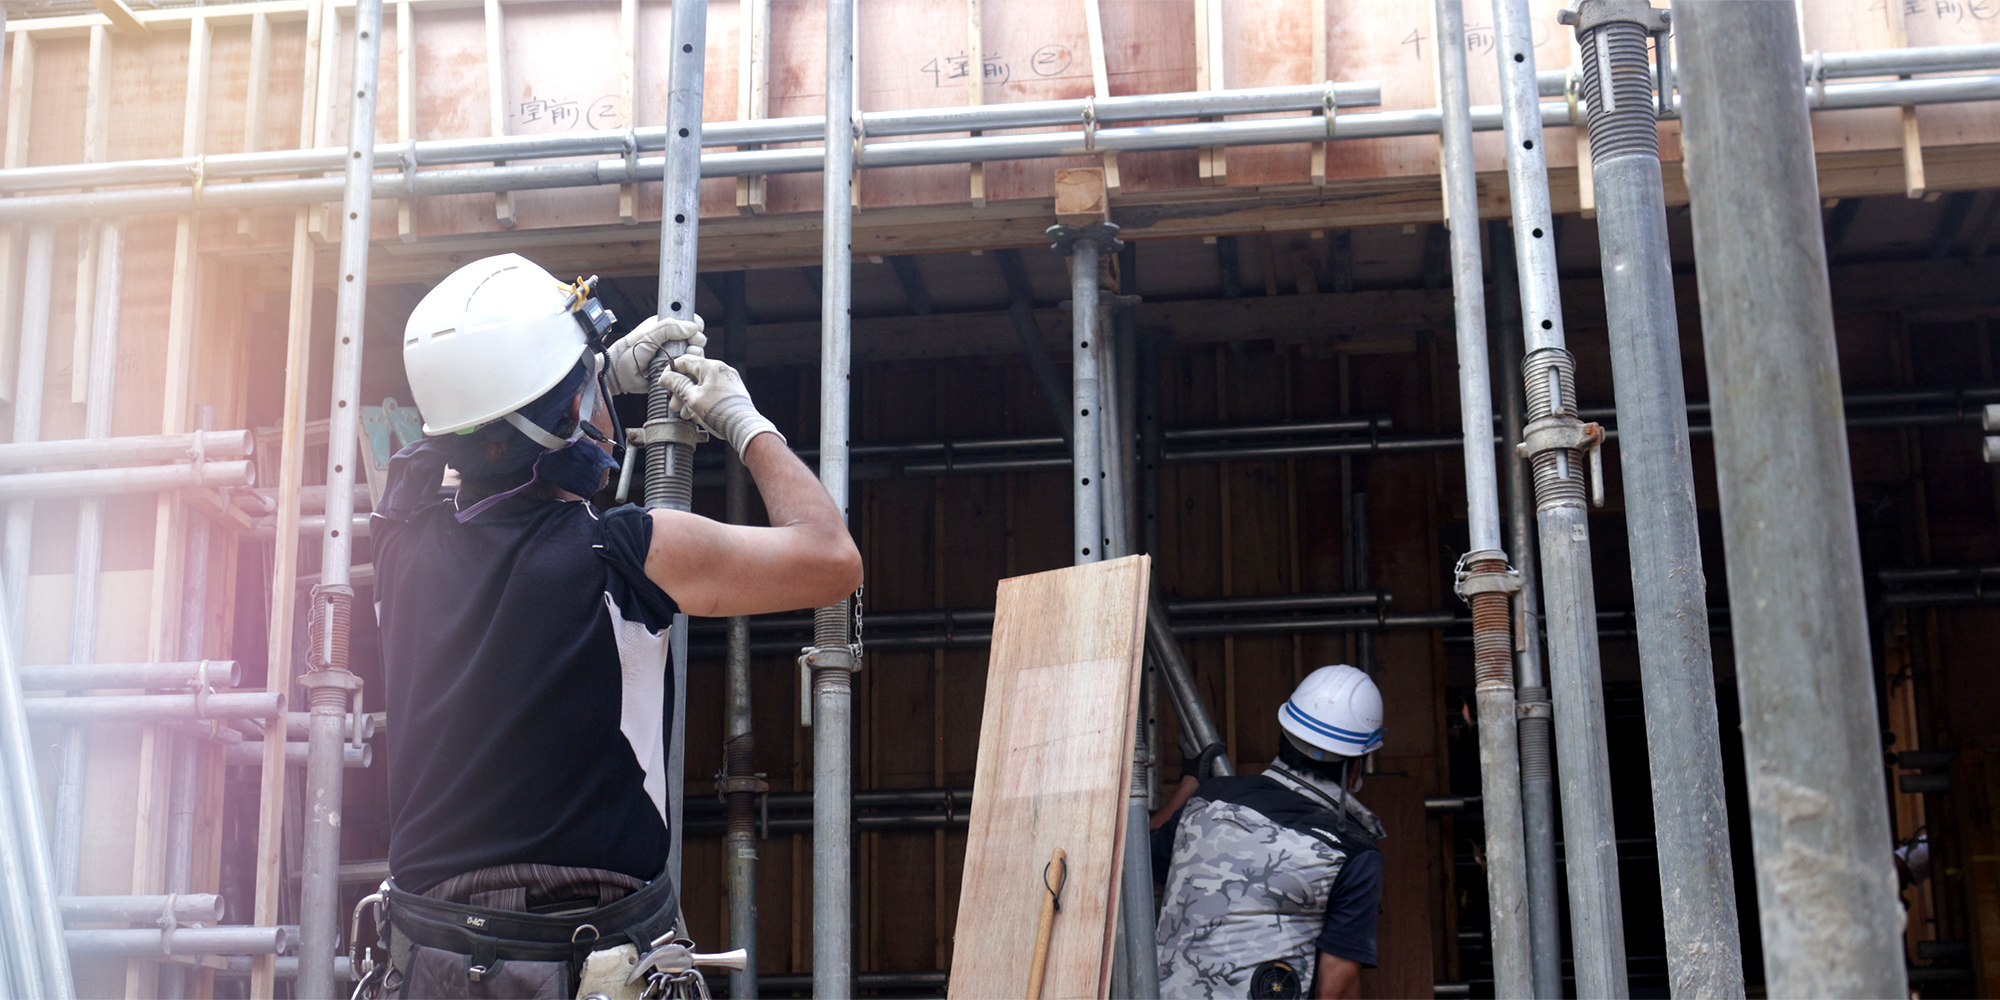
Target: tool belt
x=547, y=951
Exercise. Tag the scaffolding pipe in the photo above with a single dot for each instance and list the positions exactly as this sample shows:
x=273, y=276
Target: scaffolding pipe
x=88, y=564
x=739, y=749
x=250, y=753
x=1211, y=753
x=329, y=683
x=921, y=152
x=1538, y=822
x=669, y=440
x=181, y=782
x=1484, y=580
x=98, y=449
x=86, y=709
x=1829, y=912
x=22, y=487
x=103, y=676
x=921, y=121
x=1677, y=674
x=186, y=908
x=1557, y=446
x=833, y=658
x=232, y=940
x=30, y=918
x=1848, y=65
x=31, y=358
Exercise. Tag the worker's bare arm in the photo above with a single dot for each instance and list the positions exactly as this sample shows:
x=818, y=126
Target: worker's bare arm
x=1182, y=793
x=806, y=559
x=1337, y=978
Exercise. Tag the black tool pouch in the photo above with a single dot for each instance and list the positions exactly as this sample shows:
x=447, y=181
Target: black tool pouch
x=445, y=949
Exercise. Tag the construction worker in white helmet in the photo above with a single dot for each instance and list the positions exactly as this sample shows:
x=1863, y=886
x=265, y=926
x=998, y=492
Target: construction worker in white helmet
x=524, y=634
x=1272, y=882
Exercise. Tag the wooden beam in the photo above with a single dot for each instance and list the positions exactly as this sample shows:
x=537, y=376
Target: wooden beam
x=628, y=91
x=406, y=105
x=20, y=107
x=1319, y=70
x=169, y=545
x=975, y=86
x=753, y=92
x=1082, y=196
x=1213, y=167
x=254, y=102
x=122, y=18
x=1913, y=145
x=1100, y=81
x=496, y=90
x=284, y=558
x=96, y=139
x=321, y=94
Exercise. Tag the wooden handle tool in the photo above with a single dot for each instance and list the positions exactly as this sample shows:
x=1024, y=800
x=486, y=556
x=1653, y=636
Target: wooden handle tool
x=1054, y=874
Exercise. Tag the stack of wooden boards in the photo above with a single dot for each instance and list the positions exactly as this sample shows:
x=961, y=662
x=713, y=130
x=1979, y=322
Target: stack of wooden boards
x=1055, y=765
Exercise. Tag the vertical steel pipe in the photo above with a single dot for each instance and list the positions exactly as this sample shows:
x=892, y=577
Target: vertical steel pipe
x=35, y=944
x=1485, y=580
x=670, y=440
x=181, y=783
x=329, y=683
x=1597, y=923
x=1670, y=596
x=31, y=360
x=739, y=748
x=1538, y=813
x=1083, y=247
x=1832, y=924
x=833, y=629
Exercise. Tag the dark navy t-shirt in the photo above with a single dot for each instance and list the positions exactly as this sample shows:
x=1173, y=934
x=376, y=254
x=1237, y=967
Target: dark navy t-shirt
x=524, y=655
x=1355, y=901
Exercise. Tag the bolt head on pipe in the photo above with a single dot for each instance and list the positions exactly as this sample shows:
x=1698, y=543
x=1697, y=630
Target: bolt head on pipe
x=1105, y=234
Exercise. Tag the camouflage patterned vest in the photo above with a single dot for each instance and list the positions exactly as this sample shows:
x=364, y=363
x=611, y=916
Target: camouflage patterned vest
x=1254, y=862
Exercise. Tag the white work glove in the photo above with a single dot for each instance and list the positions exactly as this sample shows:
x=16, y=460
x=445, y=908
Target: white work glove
x=712, y=393
x=633, y=354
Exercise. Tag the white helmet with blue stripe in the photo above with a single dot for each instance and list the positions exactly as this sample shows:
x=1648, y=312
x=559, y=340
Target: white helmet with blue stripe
x=1337, y=711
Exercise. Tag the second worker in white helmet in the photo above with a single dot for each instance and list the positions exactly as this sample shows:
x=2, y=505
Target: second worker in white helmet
x=1272, y=882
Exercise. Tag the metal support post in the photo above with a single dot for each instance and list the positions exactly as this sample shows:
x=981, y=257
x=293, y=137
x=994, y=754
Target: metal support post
x=1832, y=924
x=103, y=376
x=31, y=925
x=36, y=284
x=328, y=683
x=182, y=781
x=1557, y=444
x=1538, y=811
x=740, y=783
x=1484, y=579
x=1084, y=246
x=668, y=440
x=1670, y=596
x=835, y=656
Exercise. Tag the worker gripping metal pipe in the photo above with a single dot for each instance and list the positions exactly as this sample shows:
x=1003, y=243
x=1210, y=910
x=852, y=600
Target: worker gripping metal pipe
x=1484, y=579
x=1683, y=739
x=669, y=441
x=835, y=654
x=1558, y=444
x=328, y=683
x=1832, y=923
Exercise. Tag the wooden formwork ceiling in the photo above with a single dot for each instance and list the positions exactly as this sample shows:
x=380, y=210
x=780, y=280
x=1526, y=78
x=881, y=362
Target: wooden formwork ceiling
x=473, y=69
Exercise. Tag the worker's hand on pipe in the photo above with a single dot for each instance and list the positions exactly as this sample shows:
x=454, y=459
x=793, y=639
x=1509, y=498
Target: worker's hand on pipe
x=633, y=354
x=712, y=393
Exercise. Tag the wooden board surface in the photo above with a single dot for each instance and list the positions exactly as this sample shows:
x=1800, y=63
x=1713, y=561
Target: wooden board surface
x=1054, y=762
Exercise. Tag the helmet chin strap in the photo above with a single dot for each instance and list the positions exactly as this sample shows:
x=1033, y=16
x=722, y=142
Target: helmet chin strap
x=547, y=440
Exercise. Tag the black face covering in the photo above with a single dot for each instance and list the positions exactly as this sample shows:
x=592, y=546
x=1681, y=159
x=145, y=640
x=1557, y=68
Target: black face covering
x=578, y=465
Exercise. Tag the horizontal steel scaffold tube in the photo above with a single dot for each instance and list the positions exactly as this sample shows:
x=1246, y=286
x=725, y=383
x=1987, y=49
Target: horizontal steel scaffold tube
x=1849, y=65
x=250, y=753
x=102, y=676
x=929, y=152
x=235, y=939
x=192, y=907
x=211, y=445
x=155, y=707
x=130, y=479
x=878, y=124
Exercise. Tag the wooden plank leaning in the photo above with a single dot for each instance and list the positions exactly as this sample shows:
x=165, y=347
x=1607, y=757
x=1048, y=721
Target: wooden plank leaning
x=1054, y=764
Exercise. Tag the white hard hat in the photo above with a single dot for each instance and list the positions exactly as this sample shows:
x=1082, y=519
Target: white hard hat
x=1336, y=709
x=488, y=340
